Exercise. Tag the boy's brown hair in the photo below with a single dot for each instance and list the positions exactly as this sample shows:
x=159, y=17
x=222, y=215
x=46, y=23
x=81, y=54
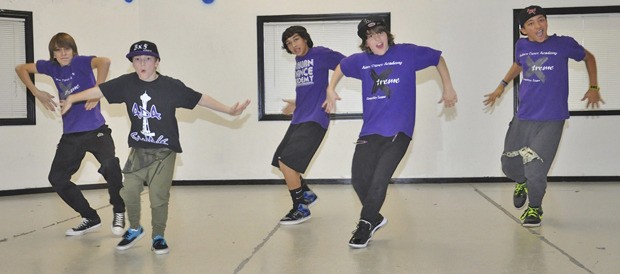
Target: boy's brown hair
x=61, y=40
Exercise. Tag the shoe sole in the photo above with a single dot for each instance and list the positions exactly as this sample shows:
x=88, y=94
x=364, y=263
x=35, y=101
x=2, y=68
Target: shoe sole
x=296, y=221
x=381, y=224
x=71, y=232
x=531, y=225
x=161, y=251
x=128, y=246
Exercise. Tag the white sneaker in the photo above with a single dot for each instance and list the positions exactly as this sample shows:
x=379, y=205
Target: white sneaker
x=118, y=224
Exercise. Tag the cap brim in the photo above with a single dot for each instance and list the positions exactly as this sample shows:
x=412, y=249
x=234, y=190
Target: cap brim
x=136, y=53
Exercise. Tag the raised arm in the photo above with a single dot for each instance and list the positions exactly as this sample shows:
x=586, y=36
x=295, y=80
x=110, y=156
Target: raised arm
x=23, y=72
x=448, y=96
x=592, y=96
x=234, y=110
x=330, y=101
x=102, y=65
x=512, y=73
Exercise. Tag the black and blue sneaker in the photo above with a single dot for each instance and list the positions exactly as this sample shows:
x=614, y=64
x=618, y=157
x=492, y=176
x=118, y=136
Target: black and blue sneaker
x=310, y=198
x=296, y=215
x=159, y=245
x=130, y=238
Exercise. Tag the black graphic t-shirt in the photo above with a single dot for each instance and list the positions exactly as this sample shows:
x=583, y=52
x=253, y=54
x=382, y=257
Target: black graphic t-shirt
x=151, y=107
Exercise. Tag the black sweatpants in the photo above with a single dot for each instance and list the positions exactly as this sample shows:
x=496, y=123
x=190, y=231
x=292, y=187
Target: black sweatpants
x=69, y=155
x=374, y=162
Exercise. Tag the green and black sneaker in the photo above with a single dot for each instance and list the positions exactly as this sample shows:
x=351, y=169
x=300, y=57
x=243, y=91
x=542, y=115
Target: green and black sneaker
x=532, y=216
x=520, y=195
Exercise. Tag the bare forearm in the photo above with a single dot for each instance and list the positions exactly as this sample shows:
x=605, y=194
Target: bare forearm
x=336, y=76
x=210, y=102
x=512, y=73
x=102, y=65
x=444, y=73
x=24, y=75
x=89, y=94
x=591, y=68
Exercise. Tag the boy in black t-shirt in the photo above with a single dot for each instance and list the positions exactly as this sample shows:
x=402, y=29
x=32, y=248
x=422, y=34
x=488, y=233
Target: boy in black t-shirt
x=151, y=100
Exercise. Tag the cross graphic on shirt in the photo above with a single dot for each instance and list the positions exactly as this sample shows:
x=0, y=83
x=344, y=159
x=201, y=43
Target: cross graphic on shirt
x=380, y=80
x=532, y=67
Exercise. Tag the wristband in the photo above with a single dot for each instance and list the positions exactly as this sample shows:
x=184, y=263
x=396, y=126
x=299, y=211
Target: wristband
x=503, y=83
x=595, y=87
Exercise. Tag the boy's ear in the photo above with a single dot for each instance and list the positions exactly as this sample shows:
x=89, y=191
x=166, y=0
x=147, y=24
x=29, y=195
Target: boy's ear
x=522, y=32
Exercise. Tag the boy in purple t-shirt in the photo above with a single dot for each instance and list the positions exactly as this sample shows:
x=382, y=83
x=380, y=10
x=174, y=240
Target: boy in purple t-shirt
x=534, y=133
x=388, y=74
x=309, y=123
x=83, y=130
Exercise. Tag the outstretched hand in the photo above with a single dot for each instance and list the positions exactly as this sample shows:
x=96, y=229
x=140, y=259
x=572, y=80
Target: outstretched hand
x=593, y=98
x=238, y=108
x=289, y=108
x=330, y=102
x=90, y=104
x=65, y=105
x=47, y=100
x=491, y=97
x=448, y=97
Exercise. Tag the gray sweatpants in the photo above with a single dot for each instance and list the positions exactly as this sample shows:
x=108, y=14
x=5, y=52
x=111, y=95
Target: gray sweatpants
x=154, y=167
x=529, y=150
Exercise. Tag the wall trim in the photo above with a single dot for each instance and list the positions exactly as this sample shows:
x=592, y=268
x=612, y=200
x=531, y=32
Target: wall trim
x=451, y=180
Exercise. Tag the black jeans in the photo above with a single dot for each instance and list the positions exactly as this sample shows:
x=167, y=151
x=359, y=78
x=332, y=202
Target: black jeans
x=374, y=162
x=69, y=155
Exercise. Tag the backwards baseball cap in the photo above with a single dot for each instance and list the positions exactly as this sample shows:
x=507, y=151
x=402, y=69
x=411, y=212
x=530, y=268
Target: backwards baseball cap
x=142, y=48
x=368, y=23
x=530, y=12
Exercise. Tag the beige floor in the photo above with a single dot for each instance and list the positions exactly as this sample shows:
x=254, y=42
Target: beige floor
x=433, y=228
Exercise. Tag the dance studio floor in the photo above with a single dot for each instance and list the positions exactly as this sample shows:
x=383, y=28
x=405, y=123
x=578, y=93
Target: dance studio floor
x=433, y=228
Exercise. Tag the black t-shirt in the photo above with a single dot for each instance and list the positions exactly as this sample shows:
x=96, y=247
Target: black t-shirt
x=151, y=107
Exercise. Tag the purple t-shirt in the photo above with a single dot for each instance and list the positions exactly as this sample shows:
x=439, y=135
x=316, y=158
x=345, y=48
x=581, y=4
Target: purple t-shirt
x=543, y=94
x=389, y=86
x=312, y=77
x=73, y=78
x=151, y=107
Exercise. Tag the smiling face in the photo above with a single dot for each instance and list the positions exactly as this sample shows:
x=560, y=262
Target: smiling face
x=297, y=45
x=377, y=42
x=535, y=29
x=146, y=67
x=63, y=55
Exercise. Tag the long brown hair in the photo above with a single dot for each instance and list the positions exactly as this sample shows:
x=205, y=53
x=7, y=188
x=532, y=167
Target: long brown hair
x=61, y=40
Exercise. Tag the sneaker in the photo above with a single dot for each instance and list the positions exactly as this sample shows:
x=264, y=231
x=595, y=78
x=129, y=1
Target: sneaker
x=296, y=216
x=159, y=245
x=118, y=224
x=532, y=216
x=520, y=195
x=310, y=198
x=130, y=238
x=364, y=232
x=87, y=225
x=379, y=224
x=361, y=235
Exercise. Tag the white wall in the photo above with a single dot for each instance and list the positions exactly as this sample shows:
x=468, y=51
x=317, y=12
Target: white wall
x=212, y=48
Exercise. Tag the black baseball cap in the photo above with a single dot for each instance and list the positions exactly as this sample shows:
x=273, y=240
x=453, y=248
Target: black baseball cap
x=530, y=12
x=142, y=48
x=368, y=23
